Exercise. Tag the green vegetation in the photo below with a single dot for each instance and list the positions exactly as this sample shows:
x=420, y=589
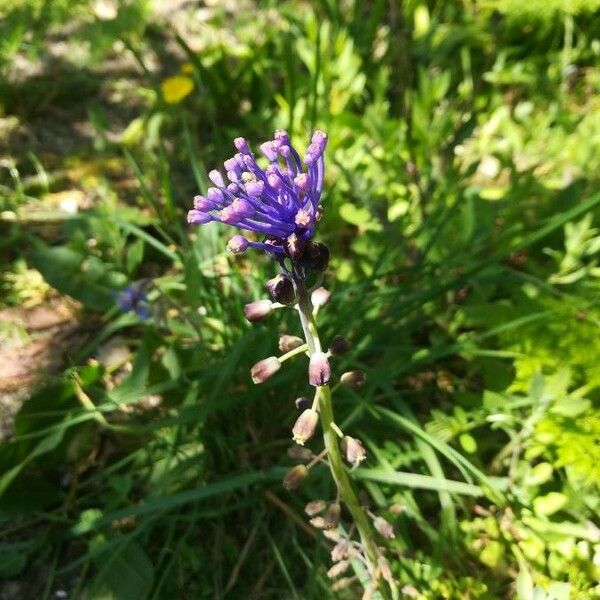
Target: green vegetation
x=462, y=212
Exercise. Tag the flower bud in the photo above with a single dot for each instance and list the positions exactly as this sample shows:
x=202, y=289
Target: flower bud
x=215, y=195
x=302, y=182
x=318, y=522
x=315, y=257
x=339, y=345
x=353, y=379
x=333, y=536
x=203, y=204
x=384, y=567
x=384, y=528
x=195, y=217
x=299, y=453
x=305, y=426
x=216, y=178
x=237, y=244
x=294, y=246
x=354, y=452
x=282, y=135
x=303, y=403
x=255, y=188
x=320, y=297
x=281, y=289
x=397, y=508
x=264, y=369
x=319, y=371
x=338, y=569
x=314, y=507
x=320, y=138
x=294, y=477
x=340, y=550
x=269, y=151
x=258, y=310
x=342, y=583
x=242, y=145
x=289, y=342
x=332, y=516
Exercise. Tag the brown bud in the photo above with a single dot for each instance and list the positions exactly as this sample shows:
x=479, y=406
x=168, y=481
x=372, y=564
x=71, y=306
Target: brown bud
x=319, y=371
x=258, y=311
x=315, y=507
x=353, y=450
x=315, y=257
x=332, y=516
x=289, y=342
x=302, y=403
x=264, y=369
x=320, y=297
x=294, y=477
x=340, y=550
x=353, y=379
x=332, y=535
x=339, y=345
x=318, y=522
x=397, y=508
x=342, y=583
x=338, y=569
x=305, y=426
x=384, y=528
x=299, y=453
x=281, y=289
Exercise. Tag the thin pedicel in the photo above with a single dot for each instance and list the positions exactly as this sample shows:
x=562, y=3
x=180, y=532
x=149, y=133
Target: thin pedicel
x=280, y=207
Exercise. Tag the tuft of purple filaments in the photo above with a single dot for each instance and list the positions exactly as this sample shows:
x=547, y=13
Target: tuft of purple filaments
x=277, y=202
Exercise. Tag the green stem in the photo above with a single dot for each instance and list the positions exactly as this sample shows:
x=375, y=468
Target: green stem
x=334, y=455
x=340, y=476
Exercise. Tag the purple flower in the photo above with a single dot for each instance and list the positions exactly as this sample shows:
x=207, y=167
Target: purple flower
x=279, y=202
x=133, y=299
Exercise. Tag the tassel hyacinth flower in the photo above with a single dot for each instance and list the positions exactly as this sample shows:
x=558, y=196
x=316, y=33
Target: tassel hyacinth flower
x=280, y=205
x=279, y=202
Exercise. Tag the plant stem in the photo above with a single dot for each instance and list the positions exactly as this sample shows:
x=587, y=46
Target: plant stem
x=334, y=455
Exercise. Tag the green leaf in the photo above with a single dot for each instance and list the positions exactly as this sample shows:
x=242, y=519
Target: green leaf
x=524, y=584
x=550, y=503
x=133, y=387
x=492, y=487
x=13, y=558
x=160, y=504
x=84, y=278
x=135, y=255
x=354, y=215
x=125, y=573
x=418, y=481
x=492, y=554
x=540, y=474
x=48, y=443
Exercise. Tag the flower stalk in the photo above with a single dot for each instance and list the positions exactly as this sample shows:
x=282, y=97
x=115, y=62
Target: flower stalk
x=330, y=437
x=280, y=206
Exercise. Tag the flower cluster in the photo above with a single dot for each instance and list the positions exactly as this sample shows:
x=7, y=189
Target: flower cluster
x=133, y=298
x=280, y=202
